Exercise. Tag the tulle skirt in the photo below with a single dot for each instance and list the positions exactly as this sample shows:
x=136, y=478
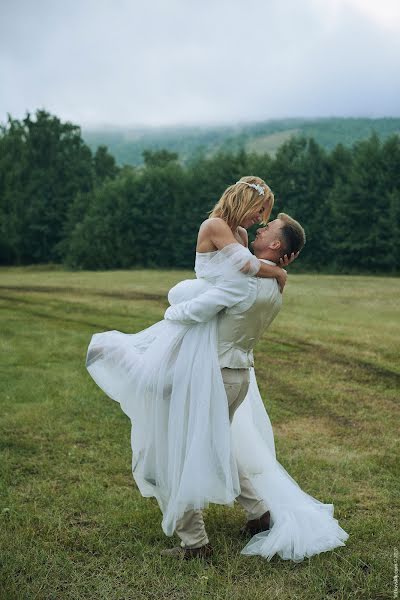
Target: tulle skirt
x=185, y=452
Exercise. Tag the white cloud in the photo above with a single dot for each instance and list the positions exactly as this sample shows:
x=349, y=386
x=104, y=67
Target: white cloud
x=385, y=13
x=181, y=61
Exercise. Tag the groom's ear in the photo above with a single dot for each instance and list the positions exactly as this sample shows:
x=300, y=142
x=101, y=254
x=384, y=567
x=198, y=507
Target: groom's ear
x=275, y=244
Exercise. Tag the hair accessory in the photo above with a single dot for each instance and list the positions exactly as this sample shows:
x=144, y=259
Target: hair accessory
x=256, y=186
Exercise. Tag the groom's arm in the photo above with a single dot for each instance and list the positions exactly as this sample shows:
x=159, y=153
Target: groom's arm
x=220, y=234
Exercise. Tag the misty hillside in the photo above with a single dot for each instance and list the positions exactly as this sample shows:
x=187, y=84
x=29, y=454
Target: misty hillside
x=128, y=144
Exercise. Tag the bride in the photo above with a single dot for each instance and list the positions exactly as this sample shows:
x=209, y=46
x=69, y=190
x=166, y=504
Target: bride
x=168, y=381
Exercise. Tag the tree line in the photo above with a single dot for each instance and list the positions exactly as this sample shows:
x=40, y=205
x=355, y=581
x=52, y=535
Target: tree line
x=62, y=203
x=127, y=144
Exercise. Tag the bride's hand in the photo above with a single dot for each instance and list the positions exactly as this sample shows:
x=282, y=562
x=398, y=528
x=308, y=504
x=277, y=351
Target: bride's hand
x=281, y=278
x=285, y=261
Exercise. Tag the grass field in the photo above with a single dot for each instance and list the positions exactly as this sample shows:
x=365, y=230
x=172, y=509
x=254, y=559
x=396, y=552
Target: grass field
x=74, y=526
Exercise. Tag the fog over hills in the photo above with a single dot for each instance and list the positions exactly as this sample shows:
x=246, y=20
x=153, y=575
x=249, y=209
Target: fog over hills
x=127, y=144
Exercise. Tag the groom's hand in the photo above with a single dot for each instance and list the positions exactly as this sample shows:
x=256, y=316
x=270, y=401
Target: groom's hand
x=286, y=260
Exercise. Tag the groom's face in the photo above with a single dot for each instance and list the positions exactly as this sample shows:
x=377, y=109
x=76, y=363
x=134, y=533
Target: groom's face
x=268, y=237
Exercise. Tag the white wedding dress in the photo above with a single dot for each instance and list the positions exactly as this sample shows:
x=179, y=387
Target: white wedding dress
x=185, y=453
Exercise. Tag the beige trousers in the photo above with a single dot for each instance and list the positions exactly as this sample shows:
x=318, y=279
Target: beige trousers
x=190, y=528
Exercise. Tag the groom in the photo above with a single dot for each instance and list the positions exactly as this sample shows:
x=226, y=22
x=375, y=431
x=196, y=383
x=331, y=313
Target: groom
x=239, y=329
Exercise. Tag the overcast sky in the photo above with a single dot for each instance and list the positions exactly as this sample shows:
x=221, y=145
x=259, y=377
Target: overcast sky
x=166, y=62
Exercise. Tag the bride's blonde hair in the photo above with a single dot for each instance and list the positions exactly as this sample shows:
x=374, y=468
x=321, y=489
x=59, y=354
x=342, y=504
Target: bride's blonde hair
x=239, y=201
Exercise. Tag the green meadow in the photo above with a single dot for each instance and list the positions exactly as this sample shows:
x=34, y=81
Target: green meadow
x=73, y=524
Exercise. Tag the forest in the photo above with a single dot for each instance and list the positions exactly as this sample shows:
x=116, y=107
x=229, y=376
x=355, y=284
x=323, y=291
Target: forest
x=65, y=203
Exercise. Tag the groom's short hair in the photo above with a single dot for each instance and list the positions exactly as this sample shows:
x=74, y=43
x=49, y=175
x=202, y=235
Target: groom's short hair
x=292, y=233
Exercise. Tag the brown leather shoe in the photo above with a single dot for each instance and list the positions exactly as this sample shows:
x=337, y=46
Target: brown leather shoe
x=204, y=552
x=257, y=525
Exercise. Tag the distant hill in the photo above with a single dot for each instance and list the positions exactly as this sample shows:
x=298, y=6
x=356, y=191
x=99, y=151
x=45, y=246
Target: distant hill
x=128, y=144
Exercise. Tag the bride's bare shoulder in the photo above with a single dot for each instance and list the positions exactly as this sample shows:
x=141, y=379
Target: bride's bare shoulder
x=214, y=234
x=214, y=225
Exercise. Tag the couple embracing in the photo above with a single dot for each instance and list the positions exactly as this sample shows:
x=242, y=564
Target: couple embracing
x=200, y=431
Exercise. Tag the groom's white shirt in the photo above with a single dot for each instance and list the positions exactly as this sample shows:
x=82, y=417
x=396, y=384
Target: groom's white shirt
x=241, y=326
x=245, y=306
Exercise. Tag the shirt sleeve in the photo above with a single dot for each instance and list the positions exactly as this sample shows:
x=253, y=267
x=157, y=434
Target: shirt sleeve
x=207, y=305
x=232, y=268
